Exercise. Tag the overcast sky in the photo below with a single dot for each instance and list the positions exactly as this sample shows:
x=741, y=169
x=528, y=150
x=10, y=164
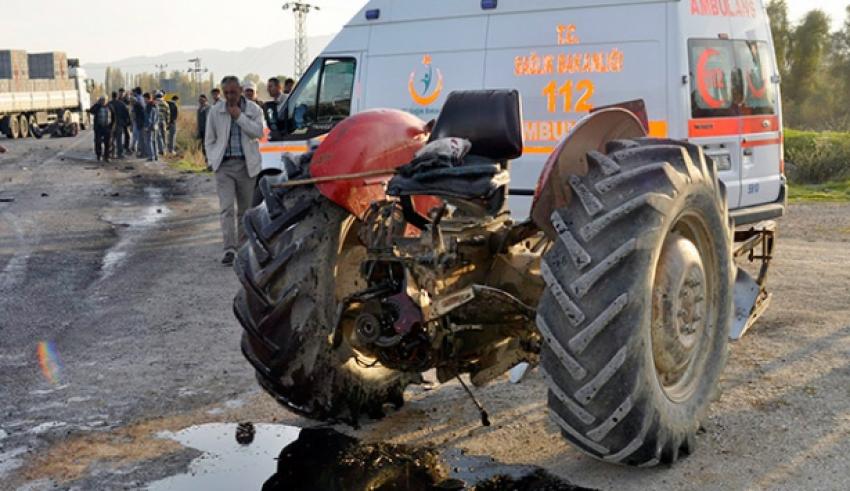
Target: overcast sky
x=107, y=30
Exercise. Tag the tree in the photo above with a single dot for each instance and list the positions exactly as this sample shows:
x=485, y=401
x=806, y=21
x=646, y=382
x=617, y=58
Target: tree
x=777, y=10
x=811, y=41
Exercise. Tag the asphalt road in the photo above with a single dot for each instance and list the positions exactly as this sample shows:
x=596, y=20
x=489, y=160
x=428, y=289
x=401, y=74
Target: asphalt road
x=116, y=325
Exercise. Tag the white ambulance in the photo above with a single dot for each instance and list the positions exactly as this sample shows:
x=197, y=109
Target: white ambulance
x=705, y=69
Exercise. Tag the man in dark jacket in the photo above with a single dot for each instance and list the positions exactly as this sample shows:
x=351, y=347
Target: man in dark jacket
x=203, y=112
x=174, y=113
x=104, y=125
x=122, y=121
x=137, y=111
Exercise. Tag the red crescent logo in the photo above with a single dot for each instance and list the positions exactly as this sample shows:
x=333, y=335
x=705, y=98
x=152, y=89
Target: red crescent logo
x=702, y=79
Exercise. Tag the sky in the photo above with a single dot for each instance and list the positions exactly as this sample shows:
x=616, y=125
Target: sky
x=106, y=30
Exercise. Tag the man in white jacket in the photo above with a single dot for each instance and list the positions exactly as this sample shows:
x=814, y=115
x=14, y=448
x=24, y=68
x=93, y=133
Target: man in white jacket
x=232, y=142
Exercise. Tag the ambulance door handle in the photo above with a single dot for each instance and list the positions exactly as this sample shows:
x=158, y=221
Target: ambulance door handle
x=748, y=152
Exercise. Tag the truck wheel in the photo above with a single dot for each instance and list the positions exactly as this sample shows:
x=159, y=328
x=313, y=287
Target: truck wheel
x=24, y=126
x=638, y=303
x=13, y=129
x=301, y=259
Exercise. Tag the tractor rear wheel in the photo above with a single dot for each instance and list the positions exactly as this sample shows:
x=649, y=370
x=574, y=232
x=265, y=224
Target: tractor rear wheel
x=301, y=260
x=638, y=304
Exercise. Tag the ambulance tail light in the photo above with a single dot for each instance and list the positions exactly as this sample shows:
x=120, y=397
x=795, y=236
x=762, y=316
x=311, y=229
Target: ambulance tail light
x=489, y=4
x=373, y=14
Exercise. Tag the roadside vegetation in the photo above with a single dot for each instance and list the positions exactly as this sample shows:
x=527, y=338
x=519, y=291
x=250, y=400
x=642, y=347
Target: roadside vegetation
x=190, y=157
x=814, y=65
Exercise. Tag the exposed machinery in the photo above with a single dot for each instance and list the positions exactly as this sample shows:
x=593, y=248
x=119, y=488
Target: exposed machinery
x=390, y=251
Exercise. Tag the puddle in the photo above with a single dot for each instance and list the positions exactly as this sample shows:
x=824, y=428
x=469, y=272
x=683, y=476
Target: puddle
x=324, y=459
x=134, y=223
x=227, y=465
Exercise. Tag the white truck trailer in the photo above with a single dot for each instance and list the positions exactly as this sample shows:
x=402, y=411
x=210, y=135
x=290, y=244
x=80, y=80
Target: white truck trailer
x=40, y=91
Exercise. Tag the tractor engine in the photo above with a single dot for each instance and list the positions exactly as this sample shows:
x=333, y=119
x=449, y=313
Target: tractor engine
x=446, y=297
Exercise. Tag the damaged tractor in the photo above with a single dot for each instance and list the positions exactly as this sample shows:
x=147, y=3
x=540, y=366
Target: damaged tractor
x=390, y=251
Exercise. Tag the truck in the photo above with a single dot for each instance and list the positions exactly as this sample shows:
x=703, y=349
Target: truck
x=42, y=92
x=465, y=189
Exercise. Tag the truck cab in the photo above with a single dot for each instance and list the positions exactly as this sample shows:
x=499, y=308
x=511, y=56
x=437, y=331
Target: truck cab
x=706, y=72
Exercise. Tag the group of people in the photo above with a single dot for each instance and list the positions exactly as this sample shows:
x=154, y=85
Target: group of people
x=231, y=129
x=135, y=123
x=278, y=90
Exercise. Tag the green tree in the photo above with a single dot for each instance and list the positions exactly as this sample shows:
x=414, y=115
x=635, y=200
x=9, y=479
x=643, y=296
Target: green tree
x=777, y=10
x=811, y=42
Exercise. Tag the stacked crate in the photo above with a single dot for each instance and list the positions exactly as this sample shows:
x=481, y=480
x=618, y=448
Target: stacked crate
x=14, y=71
x=49, y=71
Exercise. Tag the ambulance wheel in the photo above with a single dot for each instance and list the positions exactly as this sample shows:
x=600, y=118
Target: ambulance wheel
x=638, y=305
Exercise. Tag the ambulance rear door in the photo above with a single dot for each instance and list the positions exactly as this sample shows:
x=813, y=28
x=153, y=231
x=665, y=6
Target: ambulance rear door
x=566, y=61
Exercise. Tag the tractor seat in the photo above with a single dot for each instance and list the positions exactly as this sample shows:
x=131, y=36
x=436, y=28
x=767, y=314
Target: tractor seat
x=491, y=120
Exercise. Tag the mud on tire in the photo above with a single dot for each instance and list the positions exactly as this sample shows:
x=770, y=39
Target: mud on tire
x=288, y=307
x=607, y=390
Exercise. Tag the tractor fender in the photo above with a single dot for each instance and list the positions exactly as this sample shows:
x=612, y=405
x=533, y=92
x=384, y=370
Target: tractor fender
x=368, y=141
x=569, y=159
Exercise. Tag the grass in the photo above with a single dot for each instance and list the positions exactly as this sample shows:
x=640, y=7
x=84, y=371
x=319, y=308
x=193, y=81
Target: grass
x=828, y=192
x=189, y=158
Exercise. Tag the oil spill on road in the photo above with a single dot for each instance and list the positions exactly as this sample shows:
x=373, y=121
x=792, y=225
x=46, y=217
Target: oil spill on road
x=322, y=458
x=225, y=464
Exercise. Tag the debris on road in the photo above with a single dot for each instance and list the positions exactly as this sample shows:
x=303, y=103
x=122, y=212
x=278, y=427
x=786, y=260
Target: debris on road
x=245, y=433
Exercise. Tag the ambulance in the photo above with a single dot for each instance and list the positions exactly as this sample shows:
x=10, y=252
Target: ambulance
x=705, y=69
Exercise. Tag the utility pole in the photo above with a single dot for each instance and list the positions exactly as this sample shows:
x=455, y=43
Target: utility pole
x=300, y=10
x=196, y=72
x=161, y=73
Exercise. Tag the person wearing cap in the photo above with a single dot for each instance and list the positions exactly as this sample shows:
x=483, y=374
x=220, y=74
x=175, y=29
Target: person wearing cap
x=232, y=140
x=250, y=90
x=164, y=121
x=174, y=113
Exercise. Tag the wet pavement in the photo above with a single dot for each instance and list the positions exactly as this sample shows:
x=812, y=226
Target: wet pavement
x=285, y=458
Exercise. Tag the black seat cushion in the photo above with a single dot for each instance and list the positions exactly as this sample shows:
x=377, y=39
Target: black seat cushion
x=477, y=178
x=490, y=119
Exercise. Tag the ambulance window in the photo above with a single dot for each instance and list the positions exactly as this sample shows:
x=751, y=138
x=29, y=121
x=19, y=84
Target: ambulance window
x=336, y=89
x=754, y=62
x=321, y=99
x=715, y=83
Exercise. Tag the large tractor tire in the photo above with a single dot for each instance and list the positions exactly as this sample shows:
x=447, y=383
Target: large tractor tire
x=638, y=303
x=301, y=259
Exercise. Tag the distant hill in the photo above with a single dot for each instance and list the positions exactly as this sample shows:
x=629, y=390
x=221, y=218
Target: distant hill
x=275, y=59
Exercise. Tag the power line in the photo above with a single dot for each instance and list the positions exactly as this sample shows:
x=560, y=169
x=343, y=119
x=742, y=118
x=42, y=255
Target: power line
x=196, y=72
x=300, y=10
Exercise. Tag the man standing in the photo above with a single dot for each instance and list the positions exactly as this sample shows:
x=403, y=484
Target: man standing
x=174, y=113
x=104, y=125
x=203, y=112
x=137, y=111
x=164, y=121
x=124, y=97
x=151, y=126
x=234, y=127
x=122, y=120
x=250, y=90
x=216, y=95
x=273, y=110
x=288, y=86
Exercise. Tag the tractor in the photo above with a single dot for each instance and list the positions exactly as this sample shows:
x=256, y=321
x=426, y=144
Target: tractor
x=389, y=251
